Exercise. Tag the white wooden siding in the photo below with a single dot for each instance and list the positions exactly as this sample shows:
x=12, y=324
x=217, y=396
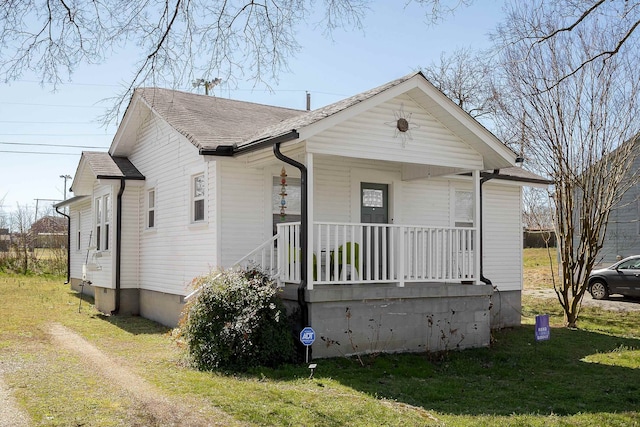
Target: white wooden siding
x=373, y=135
x=78, y=257
x=130, y=259
x=242, y=209
x=176, y=250
x=101, y=263
x=502, y=235
x=426, y=202
x=332, y=187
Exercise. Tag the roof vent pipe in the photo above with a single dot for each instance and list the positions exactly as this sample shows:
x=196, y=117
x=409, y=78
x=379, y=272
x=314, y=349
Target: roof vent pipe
x=308, y=101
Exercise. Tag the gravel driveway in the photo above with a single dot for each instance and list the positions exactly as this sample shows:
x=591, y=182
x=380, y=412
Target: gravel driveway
x=614, y=303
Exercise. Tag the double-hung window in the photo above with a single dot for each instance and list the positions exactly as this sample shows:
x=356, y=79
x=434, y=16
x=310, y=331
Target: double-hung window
x=198, y=198
x=151, y=208
x=103, y=222
x=464, y=209
x=463, y=216
x=107, y=221
x=78, y=232
x=99, y=222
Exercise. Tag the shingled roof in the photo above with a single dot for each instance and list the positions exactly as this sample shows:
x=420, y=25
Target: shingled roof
x=208, y=121
x=104, y=165
x=314, y=116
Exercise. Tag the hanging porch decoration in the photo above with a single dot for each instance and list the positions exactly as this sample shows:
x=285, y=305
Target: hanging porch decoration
x=283, y=193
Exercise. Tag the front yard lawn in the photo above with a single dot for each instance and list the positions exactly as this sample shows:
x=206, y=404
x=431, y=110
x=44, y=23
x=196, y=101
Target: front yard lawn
x=586, y=377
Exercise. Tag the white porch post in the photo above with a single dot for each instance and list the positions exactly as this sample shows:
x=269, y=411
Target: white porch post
x=310, y=224
x=476, y=221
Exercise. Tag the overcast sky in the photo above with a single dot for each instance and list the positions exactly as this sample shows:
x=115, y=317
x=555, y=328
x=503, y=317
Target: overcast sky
x=396, y=41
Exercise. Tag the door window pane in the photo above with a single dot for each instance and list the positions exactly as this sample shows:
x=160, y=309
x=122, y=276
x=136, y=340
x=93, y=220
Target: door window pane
x=372, y=198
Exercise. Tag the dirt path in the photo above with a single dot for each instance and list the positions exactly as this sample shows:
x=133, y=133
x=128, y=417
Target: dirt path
x=11, y=415
x=151, y=404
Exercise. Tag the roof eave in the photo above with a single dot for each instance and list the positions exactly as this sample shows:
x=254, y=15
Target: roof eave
x=235, y=150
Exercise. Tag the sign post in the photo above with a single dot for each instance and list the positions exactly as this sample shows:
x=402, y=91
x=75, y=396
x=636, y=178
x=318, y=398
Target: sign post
x=543, y=332
x=307, y=337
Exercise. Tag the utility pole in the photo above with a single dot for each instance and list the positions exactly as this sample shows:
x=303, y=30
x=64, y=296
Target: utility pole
x=53, y=201
x=208, y=84
x=65, y=177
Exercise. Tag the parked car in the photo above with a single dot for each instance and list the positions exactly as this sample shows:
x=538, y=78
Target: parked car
x=623, y=278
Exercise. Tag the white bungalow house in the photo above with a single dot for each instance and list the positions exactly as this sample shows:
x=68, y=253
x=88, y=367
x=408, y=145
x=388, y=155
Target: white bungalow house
x=401, y=228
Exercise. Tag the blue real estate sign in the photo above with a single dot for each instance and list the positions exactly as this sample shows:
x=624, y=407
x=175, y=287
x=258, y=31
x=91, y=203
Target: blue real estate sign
x=542, y=327
x=307, y=336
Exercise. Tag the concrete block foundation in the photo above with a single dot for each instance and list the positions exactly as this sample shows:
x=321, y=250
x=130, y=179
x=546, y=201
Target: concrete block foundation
x=506, y=309
x=350, y=319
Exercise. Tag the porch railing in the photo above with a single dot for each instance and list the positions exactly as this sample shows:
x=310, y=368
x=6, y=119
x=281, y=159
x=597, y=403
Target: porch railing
x=377, y=253
x=264, y=256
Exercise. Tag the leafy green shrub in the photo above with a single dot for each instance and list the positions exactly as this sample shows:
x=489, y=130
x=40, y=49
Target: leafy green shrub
x=237, y=321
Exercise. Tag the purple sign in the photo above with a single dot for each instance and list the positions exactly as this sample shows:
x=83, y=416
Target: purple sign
x=542, y=327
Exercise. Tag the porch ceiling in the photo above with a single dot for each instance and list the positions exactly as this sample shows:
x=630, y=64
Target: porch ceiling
x=413, y=171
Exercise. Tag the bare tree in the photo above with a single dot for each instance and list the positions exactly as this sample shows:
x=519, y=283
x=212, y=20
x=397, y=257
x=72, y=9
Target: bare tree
x=23, y=240
x=619, y=19
x=577, y=127
x=176, y=41
x=439, y=10
x=464, y=76
x=537, y=210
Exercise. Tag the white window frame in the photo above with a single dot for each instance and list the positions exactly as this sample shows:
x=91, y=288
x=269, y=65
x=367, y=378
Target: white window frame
x=79, y=232
x=107, y=221
x=102, y=209
x=459, y=221
x=197, y=198
x=151, y=209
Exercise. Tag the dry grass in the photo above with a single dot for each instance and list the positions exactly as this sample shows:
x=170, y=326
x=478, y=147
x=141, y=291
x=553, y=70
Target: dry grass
x=586, y=377
x=537, y=271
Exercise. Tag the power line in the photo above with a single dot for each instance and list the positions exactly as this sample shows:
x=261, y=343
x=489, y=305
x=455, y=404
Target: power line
x=50, y=145
x=53, y=134
x=71, y=84
x=39, y=152
x=31, y=122
x=52, y=105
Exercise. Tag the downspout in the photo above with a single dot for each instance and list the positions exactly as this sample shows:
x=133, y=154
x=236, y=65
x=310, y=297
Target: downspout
x=68, y=245
x=486, y=178
x=119, y=244
x=304, y=222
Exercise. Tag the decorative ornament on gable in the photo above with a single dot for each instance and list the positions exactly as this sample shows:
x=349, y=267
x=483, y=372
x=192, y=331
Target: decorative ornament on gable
x=283, y=193
x=402, y=125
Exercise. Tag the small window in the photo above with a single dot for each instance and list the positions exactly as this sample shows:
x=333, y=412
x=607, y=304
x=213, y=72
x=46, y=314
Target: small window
x=198, y=196
x=99, y=223
x=372, y=198
x=463, y=209
x=79, y=227
x=151, y=208
x=107, y=221
x=463, y=217
x=103, y=222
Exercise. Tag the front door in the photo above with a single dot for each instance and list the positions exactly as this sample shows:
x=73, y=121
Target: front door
x=374, y=206
x=374, y=209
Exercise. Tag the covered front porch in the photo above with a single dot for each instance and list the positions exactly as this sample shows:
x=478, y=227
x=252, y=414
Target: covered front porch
x=364, y=253
x=386, y=233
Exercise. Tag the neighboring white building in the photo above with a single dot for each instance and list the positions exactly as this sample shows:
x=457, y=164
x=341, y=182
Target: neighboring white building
x=398, y=174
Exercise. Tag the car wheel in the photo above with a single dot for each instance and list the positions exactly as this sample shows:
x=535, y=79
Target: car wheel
x=599, y=290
